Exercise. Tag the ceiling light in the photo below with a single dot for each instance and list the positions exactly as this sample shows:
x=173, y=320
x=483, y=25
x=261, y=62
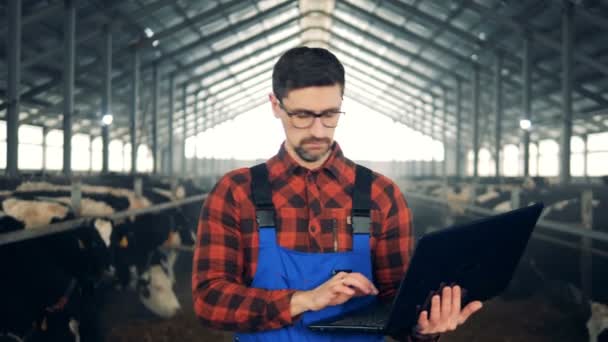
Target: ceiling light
x=107, y=119
x=148, y=31
x=155, y=43
x=525, y=124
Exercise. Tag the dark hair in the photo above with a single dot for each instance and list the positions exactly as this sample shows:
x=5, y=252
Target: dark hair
x=303, y=67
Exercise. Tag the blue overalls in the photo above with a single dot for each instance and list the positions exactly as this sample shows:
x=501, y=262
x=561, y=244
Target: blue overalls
x=282, y=268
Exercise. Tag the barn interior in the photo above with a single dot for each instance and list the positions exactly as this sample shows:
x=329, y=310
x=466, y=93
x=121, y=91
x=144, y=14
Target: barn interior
x=119, y=117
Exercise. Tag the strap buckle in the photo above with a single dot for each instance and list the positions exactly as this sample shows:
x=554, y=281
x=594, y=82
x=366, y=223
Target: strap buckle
x=265, y=218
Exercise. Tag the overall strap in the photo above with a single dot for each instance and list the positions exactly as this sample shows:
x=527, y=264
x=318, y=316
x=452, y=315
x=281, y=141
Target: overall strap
x=261, y=194
x=362, y=202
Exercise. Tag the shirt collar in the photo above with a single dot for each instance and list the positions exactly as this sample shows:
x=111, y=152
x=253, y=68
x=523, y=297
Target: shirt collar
x=336, y=164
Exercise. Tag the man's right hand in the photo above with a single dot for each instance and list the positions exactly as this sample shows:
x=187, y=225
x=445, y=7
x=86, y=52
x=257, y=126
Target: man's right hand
x=337, y=290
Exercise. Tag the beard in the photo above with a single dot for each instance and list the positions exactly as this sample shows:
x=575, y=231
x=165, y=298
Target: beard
x=315, y=154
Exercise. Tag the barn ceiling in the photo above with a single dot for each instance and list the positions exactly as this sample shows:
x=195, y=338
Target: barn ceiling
x=405, y=58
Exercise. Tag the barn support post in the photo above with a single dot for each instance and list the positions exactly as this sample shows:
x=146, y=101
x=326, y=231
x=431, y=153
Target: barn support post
x=476, y=91
x=170, y=125
x=447, y=218
x=197, y=115
x=45, y=131
x=106, y=98
x=91, y=138
x=434, y=115
x=69, y=63
x=515, y=198
x=174, y=183
x=76, y=196
x=183, y=159
x=498, y=108
x=459, y=154
x=134, y=110
x=526, y=102
x=138, y=187
x=585, y=157
x=586, y=243
x=567, y=82
x=13, y=84
x=473, y=192
x=155, y=96
x=444, y=136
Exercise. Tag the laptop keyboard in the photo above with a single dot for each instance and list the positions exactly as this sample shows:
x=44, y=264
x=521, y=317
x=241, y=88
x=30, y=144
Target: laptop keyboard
x=374, y=317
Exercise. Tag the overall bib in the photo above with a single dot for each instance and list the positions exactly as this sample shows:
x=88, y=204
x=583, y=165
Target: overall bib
x=282, y=268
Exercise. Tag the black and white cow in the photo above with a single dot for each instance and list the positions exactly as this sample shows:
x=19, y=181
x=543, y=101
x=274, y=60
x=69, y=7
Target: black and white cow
x=134, y=241
x=39, y=298
x=597, y=325
x=191, y=211
x=158, y=191
x=150, y=268
x=156, y=285
x=49, y=291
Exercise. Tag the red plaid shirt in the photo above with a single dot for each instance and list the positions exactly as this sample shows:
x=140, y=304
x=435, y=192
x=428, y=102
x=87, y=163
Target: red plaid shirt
x=309, y=204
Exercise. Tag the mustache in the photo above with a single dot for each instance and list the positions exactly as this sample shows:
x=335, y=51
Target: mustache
x=315, y=140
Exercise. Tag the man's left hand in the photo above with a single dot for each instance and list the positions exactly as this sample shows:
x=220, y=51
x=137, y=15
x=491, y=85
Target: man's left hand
x=446, y=312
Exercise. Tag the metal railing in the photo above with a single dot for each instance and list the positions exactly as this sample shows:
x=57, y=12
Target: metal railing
x=583, y=231
x=573, y=229
x=65, y=226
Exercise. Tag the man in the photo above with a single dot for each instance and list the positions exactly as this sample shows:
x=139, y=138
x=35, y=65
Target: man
x=272, y=239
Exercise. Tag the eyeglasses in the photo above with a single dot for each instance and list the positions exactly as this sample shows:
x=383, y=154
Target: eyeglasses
x=306, y=118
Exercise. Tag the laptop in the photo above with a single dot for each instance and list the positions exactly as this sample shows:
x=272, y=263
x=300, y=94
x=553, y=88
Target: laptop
x=480, y=256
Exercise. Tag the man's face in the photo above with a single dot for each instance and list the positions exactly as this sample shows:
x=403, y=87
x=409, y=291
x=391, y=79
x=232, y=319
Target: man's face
x=313, y=143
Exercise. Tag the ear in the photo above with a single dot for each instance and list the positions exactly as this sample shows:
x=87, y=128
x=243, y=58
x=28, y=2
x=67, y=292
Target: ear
x=274, y=103
x=104, y=228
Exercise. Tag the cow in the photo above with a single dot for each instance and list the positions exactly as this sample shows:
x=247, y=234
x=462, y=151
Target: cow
x=133, y=241
x=184, y=218
x=148, y=267
x=191, y=212
x=159, y=278
x=597, y=325
x=50, y=282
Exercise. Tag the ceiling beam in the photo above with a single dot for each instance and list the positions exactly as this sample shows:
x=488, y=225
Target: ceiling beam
x=524, y=28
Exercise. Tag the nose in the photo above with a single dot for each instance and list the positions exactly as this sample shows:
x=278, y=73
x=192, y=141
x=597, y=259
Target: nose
x=317, y=129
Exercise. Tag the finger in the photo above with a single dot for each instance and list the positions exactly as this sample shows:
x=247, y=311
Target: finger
x=446, y=302
x=358, y=293
x=359, y=282
x=435, y=310
x=423, y=320
x=336, y=279
x=468, y=310
x=343, y=289
x=340, y=275
x=356, y=285
x=339, y=278
x=456, y=302
x=364, y=281
x=456, y=306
